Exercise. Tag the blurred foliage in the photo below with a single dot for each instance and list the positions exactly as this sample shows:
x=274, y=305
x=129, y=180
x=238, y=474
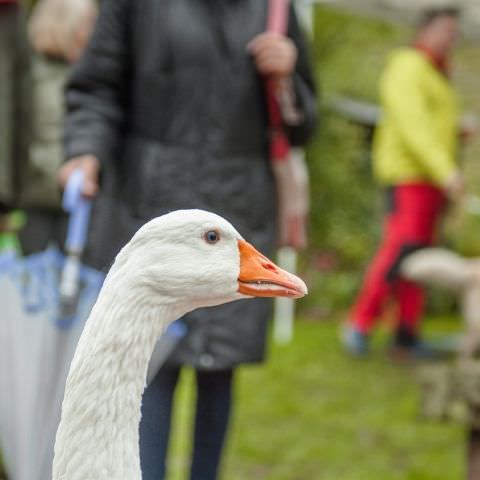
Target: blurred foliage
x=28, y=4
x=349, y=51
x=468, y=241
x=330, y=291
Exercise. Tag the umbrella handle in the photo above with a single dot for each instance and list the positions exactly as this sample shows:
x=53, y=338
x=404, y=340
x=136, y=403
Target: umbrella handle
x=79, y=209
x=277, y=21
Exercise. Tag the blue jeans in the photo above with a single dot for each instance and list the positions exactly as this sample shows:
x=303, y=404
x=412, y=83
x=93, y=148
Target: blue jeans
x=214, y=401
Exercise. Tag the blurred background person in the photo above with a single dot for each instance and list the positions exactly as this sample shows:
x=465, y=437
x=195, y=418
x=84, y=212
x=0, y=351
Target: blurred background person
x=35, y=53
x=58, y=31
x=166, y=110
x=415, y=159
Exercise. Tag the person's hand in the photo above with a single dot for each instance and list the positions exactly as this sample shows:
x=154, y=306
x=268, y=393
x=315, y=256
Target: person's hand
x=455, y=186
x=62, y=28
x=469, y=128
x=91, y=169
x=81, y=30
x=275, y=55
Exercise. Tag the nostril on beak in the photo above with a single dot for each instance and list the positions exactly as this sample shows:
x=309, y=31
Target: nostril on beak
x=270, y=266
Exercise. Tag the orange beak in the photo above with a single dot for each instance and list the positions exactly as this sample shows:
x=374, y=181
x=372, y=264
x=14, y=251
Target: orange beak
x=260, y=277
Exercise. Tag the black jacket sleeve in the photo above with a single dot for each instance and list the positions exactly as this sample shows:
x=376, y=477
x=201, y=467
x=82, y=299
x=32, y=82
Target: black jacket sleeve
x=304, y=87
x=96, y=93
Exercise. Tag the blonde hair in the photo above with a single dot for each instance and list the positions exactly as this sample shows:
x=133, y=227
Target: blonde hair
x=61, y=28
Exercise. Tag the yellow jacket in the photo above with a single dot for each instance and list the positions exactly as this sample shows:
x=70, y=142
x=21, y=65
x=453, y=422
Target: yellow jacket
x=418, y=133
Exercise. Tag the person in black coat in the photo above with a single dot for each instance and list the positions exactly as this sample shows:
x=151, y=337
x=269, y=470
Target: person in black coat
x=166, y=110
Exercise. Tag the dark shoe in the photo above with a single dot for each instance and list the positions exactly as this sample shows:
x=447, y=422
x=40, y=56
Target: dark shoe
x=408, y=346
x=417, y=352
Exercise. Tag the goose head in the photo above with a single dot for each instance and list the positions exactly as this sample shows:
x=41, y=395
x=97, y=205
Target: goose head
x=197, y=259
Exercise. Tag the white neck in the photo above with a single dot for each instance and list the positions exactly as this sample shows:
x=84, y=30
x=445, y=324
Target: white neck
x=98, y=435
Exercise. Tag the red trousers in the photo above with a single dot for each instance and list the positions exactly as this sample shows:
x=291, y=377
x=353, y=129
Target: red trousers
x=411, y=223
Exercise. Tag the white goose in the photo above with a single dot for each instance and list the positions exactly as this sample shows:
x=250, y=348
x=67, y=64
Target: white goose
x=174, y=264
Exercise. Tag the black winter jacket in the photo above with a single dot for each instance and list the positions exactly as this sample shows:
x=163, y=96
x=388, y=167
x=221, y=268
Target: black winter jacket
x=168, y=98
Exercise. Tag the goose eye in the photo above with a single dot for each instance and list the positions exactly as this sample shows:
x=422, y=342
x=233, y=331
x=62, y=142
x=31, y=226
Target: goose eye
x=212, y=237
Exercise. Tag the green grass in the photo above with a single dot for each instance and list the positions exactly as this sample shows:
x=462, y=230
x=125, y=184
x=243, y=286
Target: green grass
x=312, y=413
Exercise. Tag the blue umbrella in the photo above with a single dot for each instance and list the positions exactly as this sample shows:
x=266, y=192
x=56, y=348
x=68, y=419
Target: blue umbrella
x=45, y=299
